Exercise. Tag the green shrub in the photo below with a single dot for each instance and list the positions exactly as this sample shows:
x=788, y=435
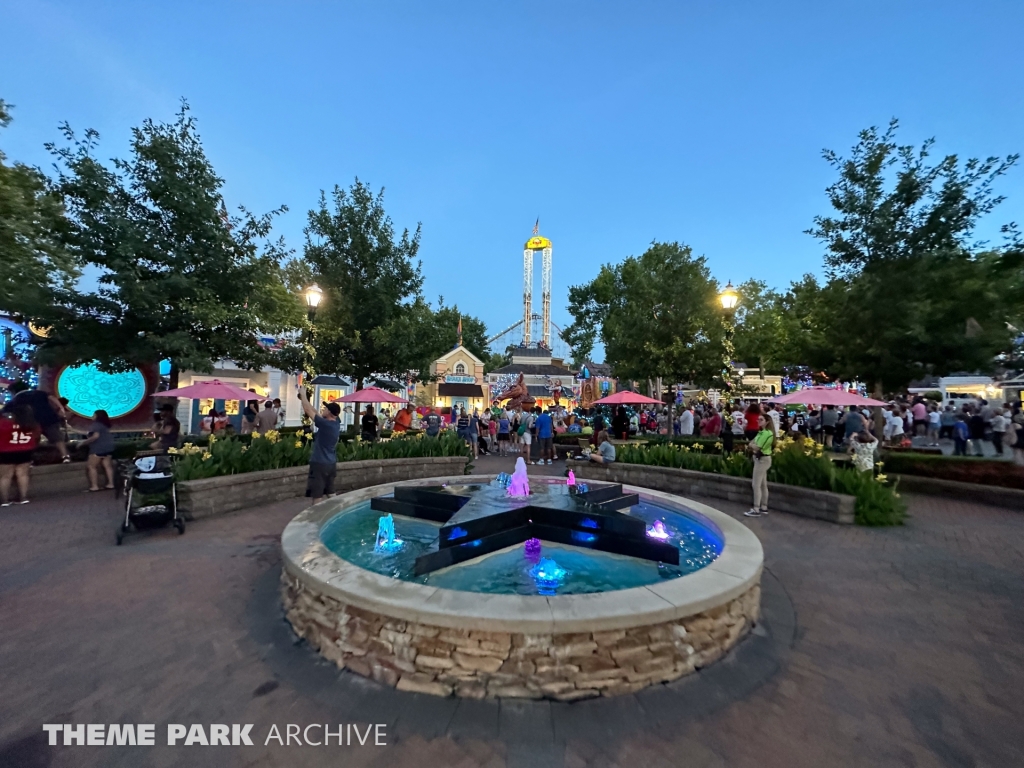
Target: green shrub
x=793, y=464
x=234, y=455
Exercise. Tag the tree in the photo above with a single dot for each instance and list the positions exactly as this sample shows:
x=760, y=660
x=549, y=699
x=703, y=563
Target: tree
x=760, y=326
x=907, y=295
x=178, y=278
x=35, y=264
x=374, y=320
x=657, y=315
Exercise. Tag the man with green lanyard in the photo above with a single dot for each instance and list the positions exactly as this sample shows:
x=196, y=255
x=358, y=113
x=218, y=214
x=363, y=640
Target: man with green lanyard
x=761, y=450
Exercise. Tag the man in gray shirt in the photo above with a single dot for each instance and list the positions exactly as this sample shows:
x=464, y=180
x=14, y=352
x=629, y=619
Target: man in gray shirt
x=323, y=461
x=266, y=419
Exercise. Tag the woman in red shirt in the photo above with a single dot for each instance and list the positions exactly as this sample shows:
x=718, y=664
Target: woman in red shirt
x=19, y=437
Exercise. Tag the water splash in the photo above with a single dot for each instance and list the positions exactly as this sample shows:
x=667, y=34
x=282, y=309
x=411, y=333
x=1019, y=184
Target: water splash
x=386, y=541
x=520, y=483
x=548, y=575
x=572, y=478
x=658, y=531
x=532, y=550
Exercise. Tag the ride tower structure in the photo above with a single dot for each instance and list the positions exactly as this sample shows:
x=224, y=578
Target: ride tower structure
x=537, y=244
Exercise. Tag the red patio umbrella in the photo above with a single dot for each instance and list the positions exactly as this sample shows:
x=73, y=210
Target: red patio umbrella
x=627, y=398
x=371, y=395
x=215, y=390
x=824, y=396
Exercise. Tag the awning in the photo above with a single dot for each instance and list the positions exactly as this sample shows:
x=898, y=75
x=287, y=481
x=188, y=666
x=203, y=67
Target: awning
x=460, y=390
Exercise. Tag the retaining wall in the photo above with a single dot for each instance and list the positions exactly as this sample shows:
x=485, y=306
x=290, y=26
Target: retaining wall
x=218, y=495
x=807, y=502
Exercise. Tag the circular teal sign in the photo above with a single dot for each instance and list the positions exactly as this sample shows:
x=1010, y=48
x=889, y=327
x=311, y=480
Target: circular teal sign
x=88, y=389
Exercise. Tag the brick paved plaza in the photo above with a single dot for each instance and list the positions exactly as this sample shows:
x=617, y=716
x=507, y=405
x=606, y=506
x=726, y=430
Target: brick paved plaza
x=897, y=647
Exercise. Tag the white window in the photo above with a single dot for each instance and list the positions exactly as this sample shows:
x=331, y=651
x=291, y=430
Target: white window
x=460, y=369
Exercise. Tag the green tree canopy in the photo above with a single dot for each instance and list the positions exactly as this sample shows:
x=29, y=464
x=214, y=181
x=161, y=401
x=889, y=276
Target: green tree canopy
x=656, y=314
x=177, y=277
x=908, y=294
x=373, y=319
x=34, y=263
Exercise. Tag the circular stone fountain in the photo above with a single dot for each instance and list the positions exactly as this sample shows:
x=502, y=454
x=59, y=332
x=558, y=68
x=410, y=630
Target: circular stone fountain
x=568, y=593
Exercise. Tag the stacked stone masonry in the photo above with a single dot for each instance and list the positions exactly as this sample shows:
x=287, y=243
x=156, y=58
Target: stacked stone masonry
x=479, y=664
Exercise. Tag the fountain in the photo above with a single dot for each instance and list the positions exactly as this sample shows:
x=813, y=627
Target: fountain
x=572, y=478
x=386, y=541
x=531, y=549
x=549, y=575
x=520, y=483
x=657, y=531
x=611, y=565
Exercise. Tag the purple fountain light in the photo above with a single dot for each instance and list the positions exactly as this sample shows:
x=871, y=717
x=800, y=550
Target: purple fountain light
x=532, y=550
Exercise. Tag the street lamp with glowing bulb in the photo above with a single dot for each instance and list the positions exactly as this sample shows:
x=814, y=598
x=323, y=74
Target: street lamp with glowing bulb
x=313, y=296
x=729, y=298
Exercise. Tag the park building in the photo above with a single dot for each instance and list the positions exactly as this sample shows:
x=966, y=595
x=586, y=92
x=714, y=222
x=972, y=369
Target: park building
x=457, y=381
x=544, y=376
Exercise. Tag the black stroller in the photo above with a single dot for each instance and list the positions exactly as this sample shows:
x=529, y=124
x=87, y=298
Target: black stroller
x=149, y=485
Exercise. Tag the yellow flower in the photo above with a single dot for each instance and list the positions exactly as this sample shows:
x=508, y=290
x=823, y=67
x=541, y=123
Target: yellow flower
x=206, y=455
x=881, y=478
x=718, y=446
x=272, y=435
x=172, y=450
x=879, y=464
x=698, y=447
x=213, y=438
x=298, y=443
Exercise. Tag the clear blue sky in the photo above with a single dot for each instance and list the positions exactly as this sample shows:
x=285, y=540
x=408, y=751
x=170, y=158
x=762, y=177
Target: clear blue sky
x=616, y=123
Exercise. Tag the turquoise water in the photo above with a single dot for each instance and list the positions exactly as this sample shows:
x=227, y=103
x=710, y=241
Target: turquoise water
x=351, y=534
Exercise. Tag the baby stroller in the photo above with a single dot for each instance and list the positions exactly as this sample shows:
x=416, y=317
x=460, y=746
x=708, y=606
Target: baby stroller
x=149, y=485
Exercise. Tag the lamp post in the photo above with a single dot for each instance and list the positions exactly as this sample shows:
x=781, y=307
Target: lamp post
x=728, y=298
x=313, y=295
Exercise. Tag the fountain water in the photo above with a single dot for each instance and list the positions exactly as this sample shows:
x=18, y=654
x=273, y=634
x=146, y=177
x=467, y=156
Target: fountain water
x=386, y=540
x=658, y=531
x=572, y=478
x=520, y=483
x=532, y=550
x=548, y=575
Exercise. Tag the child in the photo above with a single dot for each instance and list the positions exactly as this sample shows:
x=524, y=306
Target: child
x=960, y=433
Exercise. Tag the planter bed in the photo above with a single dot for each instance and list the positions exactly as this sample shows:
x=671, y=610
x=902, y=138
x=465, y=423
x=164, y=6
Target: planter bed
x=806, y=502
x=227, y=493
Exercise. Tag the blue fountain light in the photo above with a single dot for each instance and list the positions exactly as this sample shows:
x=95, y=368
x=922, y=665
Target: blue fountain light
x=504, y=479
x=456, y=533
x=589, y=523
x=386, y=542
x=584, y=538
x=548, y=575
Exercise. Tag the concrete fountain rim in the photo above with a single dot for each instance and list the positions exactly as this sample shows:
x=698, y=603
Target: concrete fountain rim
x=308, y=561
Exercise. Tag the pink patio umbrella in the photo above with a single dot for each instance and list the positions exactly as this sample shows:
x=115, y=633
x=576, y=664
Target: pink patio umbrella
x=371, y=395
x=213, y=390
x=627, y=398
x=824, y=396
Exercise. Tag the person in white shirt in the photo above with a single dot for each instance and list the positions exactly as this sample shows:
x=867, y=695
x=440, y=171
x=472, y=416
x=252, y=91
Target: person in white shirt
x=686, y=422
x=739, y=420
x=775, y=416
x=999, y=425
x=894, y=424
x=934, y=425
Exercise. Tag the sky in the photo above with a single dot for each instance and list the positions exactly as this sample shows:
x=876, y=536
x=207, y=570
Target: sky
x=615, y=123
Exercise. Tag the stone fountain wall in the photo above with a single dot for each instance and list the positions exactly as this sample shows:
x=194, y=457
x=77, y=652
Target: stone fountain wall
x=476, y=663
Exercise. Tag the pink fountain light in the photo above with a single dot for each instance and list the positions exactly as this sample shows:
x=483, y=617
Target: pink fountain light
x=520, y=483
x=572, y=478
x=657, y=531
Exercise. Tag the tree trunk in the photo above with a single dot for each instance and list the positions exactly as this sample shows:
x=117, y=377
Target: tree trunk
x=174, y=376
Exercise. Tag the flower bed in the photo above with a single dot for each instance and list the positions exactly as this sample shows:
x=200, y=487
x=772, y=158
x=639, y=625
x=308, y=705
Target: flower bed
x=233, y=455
x=962, y=469
x=797, y=464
